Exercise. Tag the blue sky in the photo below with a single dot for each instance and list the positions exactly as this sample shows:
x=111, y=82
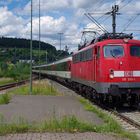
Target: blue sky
x=65, y=16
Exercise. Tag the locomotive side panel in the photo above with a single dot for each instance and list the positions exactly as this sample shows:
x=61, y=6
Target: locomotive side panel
x=82, y=66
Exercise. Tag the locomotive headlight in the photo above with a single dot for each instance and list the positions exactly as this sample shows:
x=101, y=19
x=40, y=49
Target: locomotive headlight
x=111, y=75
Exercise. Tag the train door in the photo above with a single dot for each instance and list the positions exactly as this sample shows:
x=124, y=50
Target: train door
x=96, y=62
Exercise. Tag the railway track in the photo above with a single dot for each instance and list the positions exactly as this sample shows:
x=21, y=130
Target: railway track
x=130, y=121
x=11, y=85
x=132, y=118
x=128, y=118
x=15, y=84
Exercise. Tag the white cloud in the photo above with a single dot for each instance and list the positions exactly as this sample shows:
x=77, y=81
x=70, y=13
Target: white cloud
x=50, y=27
x=48, y=5
x=94, y=27
x=52, y=5
x=49, y=24
x=10, y=24
x=7, y=17
x=55, y=18
x=82, y=3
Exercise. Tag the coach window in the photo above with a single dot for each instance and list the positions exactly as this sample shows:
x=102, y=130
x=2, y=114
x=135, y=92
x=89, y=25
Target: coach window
x=81, y=56
x=74, y=58
x=84, y=54
x=98, y=51
x=89, y=54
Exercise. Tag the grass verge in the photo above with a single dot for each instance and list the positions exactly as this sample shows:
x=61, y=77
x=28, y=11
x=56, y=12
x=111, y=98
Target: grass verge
x=4, y=99
x=39, y=88
x=4, y=81
x=66, y=124
x=110, y=125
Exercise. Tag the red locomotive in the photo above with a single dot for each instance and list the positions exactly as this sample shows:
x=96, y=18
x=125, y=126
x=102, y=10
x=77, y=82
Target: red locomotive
x=107, y=70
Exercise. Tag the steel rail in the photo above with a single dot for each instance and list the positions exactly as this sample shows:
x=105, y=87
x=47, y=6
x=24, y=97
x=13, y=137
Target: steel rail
x=121, y=116
x=11, y=85
x=128, y=120
x=15, y=84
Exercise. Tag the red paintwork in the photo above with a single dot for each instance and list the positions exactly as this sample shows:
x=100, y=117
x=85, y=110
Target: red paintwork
x=98, y=69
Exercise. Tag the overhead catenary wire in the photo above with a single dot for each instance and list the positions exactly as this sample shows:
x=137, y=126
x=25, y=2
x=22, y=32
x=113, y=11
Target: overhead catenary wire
x=120, y=8
x=121, y=1
x=133, y=30
x=88, y=15
x=99, y=2
x=130, y=22
x=126, y=4
x=107, y=12
x=106, y=18
x=102, y=16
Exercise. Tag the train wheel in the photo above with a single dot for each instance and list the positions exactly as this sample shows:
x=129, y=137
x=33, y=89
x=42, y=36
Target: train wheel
x=83, y=91
x=133, y=101
x=117, y=102
x=93, y=95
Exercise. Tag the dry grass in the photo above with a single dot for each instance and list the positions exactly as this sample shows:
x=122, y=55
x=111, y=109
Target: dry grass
x=41, y=87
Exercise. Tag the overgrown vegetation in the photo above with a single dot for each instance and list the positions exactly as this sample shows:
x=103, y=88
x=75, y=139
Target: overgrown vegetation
x=66, y=124
x=4, y=98
x=110, y=124
x=39, y=88
x=4, y=81
x=19, y=71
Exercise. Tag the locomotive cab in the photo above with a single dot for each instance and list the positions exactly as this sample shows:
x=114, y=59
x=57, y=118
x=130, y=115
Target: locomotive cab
x=118, y=69
x=108, y=69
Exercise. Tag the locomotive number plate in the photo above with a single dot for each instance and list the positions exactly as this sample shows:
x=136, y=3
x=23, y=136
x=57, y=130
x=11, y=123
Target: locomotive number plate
x=128, y=73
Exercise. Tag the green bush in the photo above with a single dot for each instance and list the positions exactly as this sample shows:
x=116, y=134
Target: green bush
x=19, y=71
x=4, y=99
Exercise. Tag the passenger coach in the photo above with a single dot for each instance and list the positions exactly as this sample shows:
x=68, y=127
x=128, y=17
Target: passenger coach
x=60, y=68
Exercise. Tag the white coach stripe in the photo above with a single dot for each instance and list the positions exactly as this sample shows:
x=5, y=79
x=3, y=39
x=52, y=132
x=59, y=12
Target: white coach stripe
x=136, y=73
x=63, y=74
x=118, y=73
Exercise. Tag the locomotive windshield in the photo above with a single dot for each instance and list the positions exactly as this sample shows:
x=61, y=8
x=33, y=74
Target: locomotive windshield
x=113, y=51
x=135, y=51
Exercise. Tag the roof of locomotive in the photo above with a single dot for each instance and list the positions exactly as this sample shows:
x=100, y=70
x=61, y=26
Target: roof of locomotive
x=55, y=62
x=119, y=41
x=111, y=42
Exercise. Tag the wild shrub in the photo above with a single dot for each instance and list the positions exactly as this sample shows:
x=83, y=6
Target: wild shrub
x=19, y=71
